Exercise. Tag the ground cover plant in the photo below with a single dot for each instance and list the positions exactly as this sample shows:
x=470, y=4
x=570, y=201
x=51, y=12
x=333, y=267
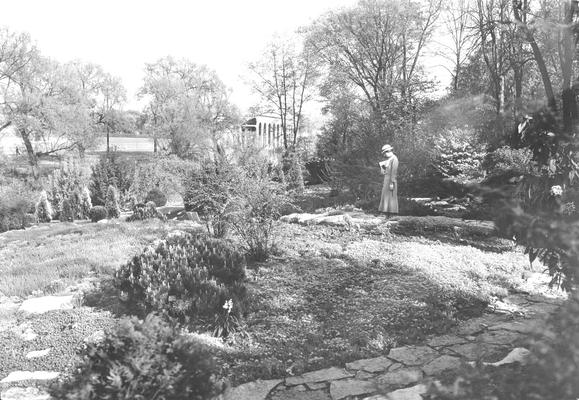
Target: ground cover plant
x=388, y=291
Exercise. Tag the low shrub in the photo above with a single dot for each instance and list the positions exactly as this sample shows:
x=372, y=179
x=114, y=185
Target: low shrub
x=112, y=202
x=189, y=277
x=98, y=213
x=147, y=359
x=13, y=214
x=157, y=197
x=16, y=204
x=43, y=208
x=145, y=211
x=66, y=213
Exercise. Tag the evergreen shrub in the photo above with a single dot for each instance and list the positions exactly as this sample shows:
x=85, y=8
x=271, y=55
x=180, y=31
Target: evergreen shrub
x=188, y=277
x=148, y=359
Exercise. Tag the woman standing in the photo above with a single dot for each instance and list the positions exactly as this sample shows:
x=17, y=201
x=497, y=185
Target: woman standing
x=389, y=168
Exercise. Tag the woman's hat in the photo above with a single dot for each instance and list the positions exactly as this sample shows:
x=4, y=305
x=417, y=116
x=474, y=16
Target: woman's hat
x=386, y=148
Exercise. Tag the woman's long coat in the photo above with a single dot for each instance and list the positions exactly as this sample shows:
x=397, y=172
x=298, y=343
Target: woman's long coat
x=389, y=199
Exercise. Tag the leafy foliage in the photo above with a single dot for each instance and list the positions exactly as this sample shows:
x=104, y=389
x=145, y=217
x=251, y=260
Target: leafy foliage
x=142, y=359
x=188, y=277
x=543, y=217
x=98, y=213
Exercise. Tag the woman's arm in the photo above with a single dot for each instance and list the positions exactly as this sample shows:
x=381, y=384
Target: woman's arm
x=394, y=170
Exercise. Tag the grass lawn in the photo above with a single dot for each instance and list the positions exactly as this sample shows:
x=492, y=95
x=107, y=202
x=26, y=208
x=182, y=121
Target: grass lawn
x=49, y=257
x=329, y=296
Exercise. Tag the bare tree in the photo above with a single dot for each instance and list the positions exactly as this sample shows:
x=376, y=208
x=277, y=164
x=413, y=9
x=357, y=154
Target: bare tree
x=456, y=24
x=285, y=77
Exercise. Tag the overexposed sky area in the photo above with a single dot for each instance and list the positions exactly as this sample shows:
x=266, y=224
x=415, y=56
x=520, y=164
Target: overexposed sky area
x=123, y=35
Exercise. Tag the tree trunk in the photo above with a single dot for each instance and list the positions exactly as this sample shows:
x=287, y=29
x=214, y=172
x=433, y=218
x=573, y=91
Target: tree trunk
x=569, y=106
x=32, y=158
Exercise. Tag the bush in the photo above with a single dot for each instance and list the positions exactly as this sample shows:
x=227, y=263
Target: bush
x=507, y=160
x=43, y=208
x=110, y=171
x=98, y=213
x=85, y=203
x=209, y=192
x=188, y=277
x=112, y=203
x=157, y=197
x=65, y=181
x=258, y=203
x=457, y=159
x=147, y=359
x=66, y=211
x=145, y=211
x=16, y=204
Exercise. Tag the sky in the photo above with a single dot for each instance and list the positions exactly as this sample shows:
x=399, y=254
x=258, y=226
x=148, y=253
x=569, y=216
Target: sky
x=123, y=35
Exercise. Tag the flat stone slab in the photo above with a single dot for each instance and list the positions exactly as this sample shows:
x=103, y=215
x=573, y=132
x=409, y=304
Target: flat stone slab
x=322, y=375
x=411, y=393
x=499, y=337
x=400, y=377
x=29, y=393
x=413, y=355
x=40, y=305
x=38, y=354
x=446, y=340
x=256, y=390
x=442, y=364
x=378, y=364
x=351, y=387
x=480, y=324
x=294, y=395
x=18, y=376
x=476, y=351
x=515, y=326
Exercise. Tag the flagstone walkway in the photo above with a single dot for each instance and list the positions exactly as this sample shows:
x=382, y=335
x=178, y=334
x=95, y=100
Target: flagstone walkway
x=404, y=373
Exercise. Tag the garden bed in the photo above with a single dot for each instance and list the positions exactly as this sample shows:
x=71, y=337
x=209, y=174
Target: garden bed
x=329, y=296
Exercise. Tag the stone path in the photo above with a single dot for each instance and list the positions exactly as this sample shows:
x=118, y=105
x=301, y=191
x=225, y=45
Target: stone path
x=498, y=337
